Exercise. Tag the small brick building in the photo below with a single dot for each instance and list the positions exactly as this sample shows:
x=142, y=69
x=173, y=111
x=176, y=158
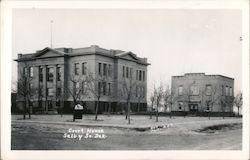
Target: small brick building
x=51, y=70
x=198, y=92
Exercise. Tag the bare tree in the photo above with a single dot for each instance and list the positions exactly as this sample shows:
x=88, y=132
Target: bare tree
x=212, y=97
x=96, y=86
x=76, y=89
x=166, y=96
x=25, y=89
x=171, y=98
x=158, y=99
x=238, y=102
x=152, y=100
x=128, y=90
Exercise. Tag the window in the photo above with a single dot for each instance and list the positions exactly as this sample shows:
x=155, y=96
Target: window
x=50, y=74
x=25, y=72
x=30, y=86
x=40, y=74
x=104, y=69
x=136, y=91
x=100, y=69
x=127, y=72
x=222, y=90
x=136, y=74
x=30, y=103
x=59, y=73
x=50, y=91
x=130, y=72
x=230, y=91
x=84, y=86
x=76, y=68
x=180, y=90
x=58, y=92
x=142, y=92
x=40, y=92
x=208, y=105
x=58, y=103
x=84, y=68
x=31, y=72
x=99, y=88
x=123, y=71
x=76, y=86
x=109, y=70
x=139, y=91
x=180, y=105
x=140, y=77
x=143, y=75
x=227, y=91
x=208, y=90
x=109, y=88
x=104, y=87
x=50, y=105
x=194, y=90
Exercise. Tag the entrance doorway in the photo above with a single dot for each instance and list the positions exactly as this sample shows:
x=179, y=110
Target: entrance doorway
x=193, y=107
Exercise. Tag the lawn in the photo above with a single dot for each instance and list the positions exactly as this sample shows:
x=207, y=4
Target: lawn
x=179, y=133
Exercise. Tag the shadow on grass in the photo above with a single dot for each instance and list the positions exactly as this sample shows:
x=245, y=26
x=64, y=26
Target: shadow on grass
x=221, y=127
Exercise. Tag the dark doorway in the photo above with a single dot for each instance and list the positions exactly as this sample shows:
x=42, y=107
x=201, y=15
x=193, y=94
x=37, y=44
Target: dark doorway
x=193, y=107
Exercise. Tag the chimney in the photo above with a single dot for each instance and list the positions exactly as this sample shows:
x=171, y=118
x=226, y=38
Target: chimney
x=19, y=56
x=68, y=50
x=112, y=51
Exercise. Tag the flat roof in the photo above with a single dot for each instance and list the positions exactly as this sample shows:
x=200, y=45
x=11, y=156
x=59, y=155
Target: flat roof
x=201, y=74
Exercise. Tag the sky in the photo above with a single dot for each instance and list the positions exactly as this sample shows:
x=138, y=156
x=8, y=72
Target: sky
x=175, y=41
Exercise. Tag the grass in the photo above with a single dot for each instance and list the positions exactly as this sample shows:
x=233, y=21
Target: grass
x=37, y=136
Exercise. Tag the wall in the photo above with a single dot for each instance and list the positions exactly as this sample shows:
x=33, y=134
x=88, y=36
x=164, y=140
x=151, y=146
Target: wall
x=201, y=80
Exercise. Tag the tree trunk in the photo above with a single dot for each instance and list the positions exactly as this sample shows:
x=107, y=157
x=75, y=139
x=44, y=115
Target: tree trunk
x=24, y=109
x=74, y=109
x=170, y=111
x=29, y=111
x=109, y=109
x=223, y=114
x=128, y=112
x=62, y=104
x=184, y=112
x=96, y=111
x=151, y=110
x=238, y=111
x=157, y=114
x=27, y=106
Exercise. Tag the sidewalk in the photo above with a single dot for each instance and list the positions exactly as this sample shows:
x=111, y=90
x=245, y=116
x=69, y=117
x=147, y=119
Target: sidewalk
x=140, y=123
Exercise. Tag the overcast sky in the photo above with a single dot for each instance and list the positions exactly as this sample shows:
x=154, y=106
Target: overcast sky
x=174, y=41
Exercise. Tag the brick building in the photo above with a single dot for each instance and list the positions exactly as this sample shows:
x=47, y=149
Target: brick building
x=197, y=92
x=52, y=71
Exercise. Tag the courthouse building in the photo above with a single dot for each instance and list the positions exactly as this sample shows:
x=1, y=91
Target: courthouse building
x=198, y=92
x=51, y=71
